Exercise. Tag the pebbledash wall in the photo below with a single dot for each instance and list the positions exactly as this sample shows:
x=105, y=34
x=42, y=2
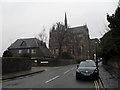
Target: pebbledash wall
x=10, y=65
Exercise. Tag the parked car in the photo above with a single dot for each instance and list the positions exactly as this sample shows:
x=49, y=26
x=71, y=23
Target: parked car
x=87, y=69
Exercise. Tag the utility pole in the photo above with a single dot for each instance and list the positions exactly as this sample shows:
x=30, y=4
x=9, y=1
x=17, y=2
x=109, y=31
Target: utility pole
x=96, y=56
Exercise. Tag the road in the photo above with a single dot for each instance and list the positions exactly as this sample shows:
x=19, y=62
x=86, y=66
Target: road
x=52, y=77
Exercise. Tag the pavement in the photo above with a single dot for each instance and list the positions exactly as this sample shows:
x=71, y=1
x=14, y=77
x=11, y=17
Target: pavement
x=23, y=73
x=109, y=77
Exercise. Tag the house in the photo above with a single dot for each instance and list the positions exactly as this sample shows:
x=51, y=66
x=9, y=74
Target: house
x=32, y=46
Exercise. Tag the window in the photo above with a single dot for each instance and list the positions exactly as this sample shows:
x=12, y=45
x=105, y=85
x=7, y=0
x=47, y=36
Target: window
x=28, y=51
x=20, y=51
x=57, y=51
x=87, y=64
x=23, y=43
x=71, y=51
x=53, y=52
x=33, y=51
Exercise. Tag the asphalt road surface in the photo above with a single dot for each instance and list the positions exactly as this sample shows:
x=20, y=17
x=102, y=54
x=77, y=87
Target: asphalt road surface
x=52, y=77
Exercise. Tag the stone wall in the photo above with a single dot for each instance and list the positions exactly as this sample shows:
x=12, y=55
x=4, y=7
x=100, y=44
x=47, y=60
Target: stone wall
x=113, y=62
x=10, y=65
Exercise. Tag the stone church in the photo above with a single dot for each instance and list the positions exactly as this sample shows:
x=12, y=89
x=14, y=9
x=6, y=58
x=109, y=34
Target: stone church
x=76, y=41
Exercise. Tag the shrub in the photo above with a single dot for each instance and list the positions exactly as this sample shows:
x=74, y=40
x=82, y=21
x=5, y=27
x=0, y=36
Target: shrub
x=26, y=55
x=66, y=55
x=7, y=53
x=14, y=58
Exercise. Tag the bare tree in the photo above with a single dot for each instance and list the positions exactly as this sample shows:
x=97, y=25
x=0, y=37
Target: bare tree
x=42, y=35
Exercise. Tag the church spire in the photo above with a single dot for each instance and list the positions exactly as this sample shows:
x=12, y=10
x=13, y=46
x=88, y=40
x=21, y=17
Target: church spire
x=65, y=21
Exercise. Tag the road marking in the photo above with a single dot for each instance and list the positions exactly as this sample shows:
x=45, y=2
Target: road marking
x=96, y=84
x=20, y=77
x=66, y=71
x=52, y=79
x=4, y=80
x=45, y=69
x=56, y=67
x=72, y=68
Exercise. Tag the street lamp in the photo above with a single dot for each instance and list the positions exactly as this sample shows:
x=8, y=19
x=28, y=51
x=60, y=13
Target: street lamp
x=96, y=56
x=81, y=51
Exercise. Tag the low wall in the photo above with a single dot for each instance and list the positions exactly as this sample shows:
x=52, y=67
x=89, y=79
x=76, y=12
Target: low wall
x=114, y=62
x=10, y=65
x=56, y=62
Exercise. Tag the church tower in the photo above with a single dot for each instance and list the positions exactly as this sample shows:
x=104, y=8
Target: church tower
x=66, y=26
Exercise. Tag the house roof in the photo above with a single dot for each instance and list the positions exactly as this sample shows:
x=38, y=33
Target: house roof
x=45, y=51
x=25, y=43
x=31, y=43
x=79, y=29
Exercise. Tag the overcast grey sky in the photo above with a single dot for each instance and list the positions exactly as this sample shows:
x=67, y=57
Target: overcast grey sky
x=26, y=18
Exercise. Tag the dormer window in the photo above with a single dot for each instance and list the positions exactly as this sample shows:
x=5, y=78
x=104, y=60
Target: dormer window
x=23, y=43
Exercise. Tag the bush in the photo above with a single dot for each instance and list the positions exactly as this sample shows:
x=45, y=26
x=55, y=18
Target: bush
x=110, y=42
x=26, y=55
x=7, y=53
x=14, y=58
x=15, y=64
x=66, y=55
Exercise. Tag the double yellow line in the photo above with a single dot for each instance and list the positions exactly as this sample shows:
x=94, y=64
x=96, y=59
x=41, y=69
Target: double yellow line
x=96, y=84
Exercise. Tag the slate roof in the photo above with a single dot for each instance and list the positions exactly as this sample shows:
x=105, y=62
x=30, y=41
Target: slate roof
x=45, y=51
x=31, y=43
x=79, y=29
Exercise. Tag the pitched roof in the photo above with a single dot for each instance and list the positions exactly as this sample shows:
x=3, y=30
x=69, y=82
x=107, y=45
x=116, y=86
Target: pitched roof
x=45, y=51
x=31, y=43
x=25, y=43
x=80, y=29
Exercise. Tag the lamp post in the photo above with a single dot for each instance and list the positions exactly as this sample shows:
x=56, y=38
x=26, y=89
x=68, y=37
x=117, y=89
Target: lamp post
x=96, y=56
x=81, y=51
